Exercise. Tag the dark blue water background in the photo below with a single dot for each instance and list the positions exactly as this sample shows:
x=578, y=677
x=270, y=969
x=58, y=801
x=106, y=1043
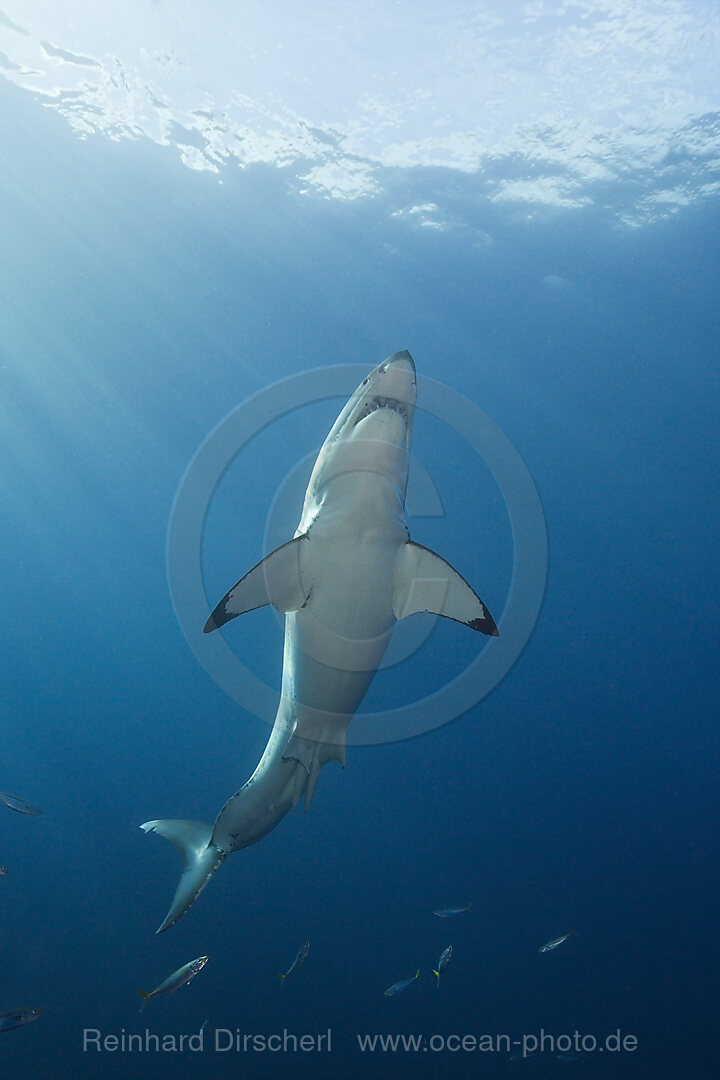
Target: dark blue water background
x=139, y=302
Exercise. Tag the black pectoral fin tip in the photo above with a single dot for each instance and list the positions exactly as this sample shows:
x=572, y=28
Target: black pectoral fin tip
x=486, y=625
x=218, y=618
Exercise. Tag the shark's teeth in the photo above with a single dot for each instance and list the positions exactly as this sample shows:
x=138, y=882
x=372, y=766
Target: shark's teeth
x=382, y=403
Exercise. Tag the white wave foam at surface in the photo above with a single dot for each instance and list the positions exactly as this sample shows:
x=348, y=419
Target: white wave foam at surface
x=545, y=106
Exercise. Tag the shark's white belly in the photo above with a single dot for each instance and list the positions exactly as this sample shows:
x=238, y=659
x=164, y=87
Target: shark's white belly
x=333, y=647
x=334, y=644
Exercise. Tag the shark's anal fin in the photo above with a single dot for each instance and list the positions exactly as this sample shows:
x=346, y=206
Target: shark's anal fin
x=425, y=582
x=276, y=580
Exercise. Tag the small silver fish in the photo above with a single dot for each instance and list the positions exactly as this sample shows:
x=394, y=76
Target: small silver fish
x=442, y=963
x=178, y=978
x=14, y=1018
x=398, y=987
x=14, y=803
x=554, y=942
x=4, y=871
x=447, y=912
x=300, y=958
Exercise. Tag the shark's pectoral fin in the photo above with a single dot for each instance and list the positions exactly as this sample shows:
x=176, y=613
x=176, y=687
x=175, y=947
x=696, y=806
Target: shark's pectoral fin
x=425, y=582
x=276, y=580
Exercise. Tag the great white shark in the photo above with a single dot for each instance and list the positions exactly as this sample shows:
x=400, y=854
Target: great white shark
x=348, y=574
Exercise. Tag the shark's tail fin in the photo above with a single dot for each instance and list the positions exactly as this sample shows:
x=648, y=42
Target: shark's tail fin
x=437, y=976
x=144, y=997
x=193, y=839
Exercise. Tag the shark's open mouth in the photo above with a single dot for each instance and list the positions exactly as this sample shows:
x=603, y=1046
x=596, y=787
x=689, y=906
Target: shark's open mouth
x=376, y=403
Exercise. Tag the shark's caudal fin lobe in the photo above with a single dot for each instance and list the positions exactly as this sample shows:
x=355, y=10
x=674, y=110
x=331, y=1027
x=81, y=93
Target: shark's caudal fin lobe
x=275, y=580
x=193, y=839
x=424, y=581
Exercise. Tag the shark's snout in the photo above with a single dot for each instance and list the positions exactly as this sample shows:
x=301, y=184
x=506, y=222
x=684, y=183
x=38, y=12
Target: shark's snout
x=400, y=363
x=395, y=387
x=393, y=384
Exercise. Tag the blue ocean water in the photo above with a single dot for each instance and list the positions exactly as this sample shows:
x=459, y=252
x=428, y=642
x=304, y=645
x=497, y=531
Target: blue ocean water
x=141, y=302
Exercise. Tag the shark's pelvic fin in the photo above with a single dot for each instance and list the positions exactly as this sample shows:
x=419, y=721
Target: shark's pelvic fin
x=312, y=752
x=424, y=581
x=276, y=580
x=193, y=839
x=299, y=782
